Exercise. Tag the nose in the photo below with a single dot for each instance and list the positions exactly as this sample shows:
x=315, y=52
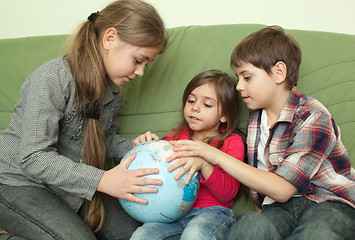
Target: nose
x=139, y=70
x=196, y=107
x=240, y=86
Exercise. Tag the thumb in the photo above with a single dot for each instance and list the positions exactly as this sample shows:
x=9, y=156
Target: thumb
x=128, y=160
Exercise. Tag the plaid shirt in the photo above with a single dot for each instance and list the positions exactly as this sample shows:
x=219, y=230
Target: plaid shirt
x=304, y=147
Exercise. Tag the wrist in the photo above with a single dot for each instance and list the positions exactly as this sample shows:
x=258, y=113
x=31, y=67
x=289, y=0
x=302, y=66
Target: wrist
x=101, y=184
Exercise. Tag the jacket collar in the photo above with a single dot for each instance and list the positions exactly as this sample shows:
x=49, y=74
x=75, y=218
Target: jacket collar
x=111, y=90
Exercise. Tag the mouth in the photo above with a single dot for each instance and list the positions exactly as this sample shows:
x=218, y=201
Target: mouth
x=129, y=79
x=194, y=118
x=245, y=98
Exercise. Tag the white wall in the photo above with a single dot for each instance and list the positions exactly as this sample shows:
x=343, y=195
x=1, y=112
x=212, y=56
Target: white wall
x=22, y=18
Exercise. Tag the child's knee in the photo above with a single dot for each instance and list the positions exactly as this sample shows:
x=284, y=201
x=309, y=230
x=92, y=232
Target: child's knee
x=195, y=231
x=252, y=225
x=143, y=233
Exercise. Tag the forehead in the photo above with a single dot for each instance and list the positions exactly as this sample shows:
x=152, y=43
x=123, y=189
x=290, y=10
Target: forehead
x=244, y=67
x=149, y=53
x=205, y=91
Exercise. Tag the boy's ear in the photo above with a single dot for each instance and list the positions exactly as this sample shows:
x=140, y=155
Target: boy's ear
x=280, y=72
x=223, y=119
x=109, y=38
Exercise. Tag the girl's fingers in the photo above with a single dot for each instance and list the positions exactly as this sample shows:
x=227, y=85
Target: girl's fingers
x=138, y=172
x=176, y=165
x=134, y=198
x=141, y=181
x=128, y=160
x=189, y=177
x=181, y=154
x=139, y=189
x=173, y=156
x=182, y=171
x=155, y=137
x=145, y=171
x=147, y=136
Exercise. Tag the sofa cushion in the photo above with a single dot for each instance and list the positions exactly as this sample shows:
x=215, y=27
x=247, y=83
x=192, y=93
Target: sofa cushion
x=153, y=102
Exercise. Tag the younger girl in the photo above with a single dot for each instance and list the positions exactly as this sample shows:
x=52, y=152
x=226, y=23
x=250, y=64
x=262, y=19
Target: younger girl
x=210, y=115
x=52, y=182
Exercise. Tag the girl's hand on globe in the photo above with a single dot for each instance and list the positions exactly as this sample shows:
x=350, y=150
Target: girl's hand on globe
x=120, y=182
x=190, y=164
x=148, y=136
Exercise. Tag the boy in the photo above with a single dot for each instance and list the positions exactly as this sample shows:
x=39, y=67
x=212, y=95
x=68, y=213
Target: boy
x=307, y=186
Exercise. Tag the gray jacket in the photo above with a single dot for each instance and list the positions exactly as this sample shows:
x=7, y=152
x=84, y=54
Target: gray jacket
x=42, y=145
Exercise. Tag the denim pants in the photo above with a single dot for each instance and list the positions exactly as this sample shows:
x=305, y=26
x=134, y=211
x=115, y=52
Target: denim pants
x=38, y=213
x=198, y=223
x=299, y=218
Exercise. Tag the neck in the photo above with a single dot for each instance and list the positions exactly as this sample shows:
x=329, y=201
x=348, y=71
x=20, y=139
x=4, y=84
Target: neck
x=274, y=110
x=202, y=136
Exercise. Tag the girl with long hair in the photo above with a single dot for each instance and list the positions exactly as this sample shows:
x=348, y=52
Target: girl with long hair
x=210, y=115
x=52, y=178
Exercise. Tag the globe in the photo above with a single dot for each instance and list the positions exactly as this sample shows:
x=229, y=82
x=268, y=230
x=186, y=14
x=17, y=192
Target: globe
x=173, y=199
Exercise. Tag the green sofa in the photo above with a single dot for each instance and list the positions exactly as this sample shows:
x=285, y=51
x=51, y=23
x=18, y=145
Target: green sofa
x=153, y=102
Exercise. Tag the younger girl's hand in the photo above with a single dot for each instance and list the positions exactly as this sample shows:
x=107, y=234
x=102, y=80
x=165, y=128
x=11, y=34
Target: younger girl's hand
x=148, y=136
x=191, y=165
x=120, y=182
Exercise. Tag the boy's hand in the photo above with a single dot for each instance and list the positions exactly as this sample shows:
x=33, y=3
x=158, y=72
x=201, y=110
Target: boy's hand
x=148, y=136
x=188, y=148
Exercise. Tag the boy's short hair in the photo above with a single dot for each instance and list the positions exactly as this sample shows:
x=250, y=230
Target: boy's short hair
x=266, y=47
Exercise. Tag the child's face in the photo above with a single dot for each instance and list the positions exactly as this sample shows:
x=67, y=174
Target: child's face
x=124, y=61
x=256, y=86
x=202, y=112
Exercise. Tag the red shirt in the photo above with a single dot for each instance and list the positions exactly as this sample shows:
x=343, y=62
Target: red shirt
x=220, y=188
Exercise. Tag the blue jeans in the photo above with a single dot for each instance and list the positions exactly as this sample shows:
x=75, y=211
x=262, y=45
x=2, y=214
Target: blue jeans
x=198, y=223
x=299, y=218
x=37, y=213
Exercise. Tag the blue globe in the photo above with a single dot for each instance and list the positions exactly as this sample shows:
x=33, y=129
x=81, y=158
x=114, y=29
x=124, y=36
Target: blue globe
x=173, y=199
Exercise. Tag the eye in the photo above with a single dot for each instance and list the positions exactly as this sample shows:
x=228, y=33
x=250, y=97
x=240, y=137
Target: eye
x=138, y=61
x=190, y=101
x=208, y=105
x=246, y=78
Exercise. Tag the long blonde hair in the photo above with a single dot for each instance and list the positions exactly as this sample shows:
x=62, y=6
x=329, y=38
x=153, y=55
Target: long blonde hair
x=137, y=23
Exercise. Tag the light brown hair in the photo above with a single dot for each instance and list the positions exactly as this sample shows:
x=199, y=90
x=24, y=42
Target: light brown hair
x=137, y=23
x=266, y=47
x=227, y=98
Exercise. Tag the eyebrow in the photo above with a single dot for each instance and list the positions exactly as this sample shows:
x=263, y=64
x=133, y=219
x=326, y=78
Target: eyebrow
x=209, y=98
x=147, y=58
x=242, y=72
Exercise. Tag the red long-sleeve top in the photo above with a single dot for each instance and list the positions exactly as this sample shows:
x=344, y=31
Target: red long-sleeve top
x=220, y=188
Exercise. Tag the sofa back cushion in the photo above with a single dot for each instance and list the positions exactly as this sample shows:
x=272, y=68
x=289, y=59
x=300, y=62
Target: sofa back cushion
x=153, y=102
